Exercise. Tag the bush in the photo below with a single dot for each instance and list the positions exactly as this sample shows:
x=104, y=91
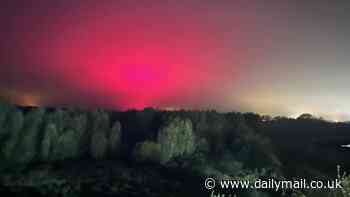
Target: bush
x=345, y=180
x=254, y=149
x=147, y=152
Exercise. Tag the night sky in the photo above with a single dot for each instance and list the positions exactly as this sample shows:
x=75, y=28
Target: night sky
x=271, y=57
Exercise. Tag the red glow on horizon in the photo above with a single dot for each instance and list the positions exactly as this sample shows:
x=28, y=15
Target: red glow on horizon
x=151, y=58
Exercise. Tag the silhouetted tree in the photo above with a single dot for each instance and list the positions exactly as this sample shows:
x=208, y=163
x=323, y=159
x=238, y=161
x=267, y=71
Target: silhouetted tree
x=306, y=117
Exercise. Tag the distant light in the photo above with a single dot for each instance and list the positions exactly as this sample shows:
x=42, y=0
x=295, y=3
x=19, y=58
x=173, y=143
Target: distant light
x=170, y=109
x=30, y=100
x=346, y=146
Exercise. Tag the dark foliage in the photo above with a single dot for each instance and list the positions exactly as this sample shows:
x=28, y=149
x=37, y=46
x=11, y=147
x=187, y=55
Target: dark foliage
x=195, y=144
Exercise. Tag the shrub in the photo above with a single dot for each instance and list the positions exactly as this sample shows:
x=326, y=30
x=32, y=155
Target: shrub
x=147, y=152
x=345, y=180
x=254, y=149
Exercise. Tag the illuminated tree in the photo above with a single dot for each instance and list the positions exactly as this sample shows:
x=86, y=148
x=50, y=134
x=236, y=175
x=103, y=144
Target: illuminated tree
x=114, y=139
x=176, y=139
x=49, y=143
x=100, y=129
